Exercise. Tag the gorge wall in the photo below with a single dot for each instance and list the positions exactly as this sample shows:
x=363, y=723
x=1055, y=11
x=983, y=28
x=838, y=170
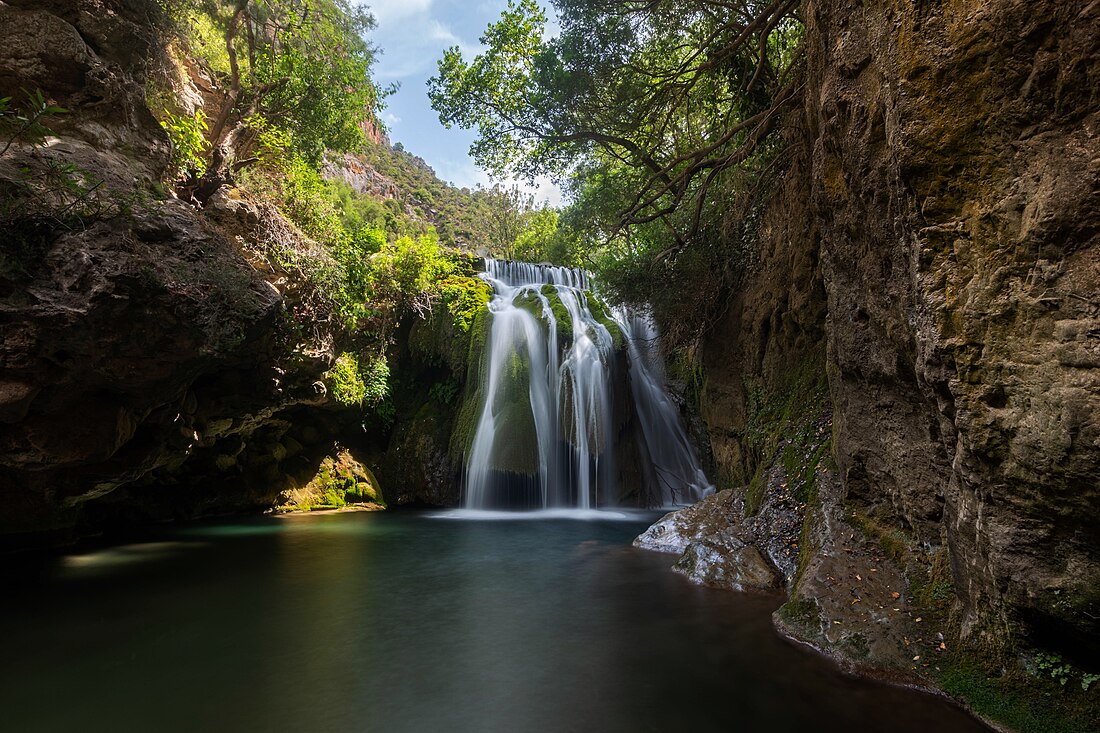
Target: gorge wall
x=151, y=363
x=935, y=251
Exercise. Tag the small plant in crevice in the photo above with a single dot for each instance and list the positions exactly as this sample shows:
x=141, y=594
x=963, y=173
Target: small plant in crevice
x=1052, y=665
x=444, y=392
x=188, y=136
x=354, y=381
x=45, y=194
x=23, y=124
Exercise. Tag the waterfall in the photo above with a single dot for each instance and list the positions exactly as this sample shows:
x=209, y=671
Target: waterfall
x=554, y=412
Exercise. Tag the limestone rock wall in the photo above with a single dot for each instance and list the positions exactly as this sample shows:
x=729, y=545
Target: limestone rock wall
x=956, y=187
x=943, y=236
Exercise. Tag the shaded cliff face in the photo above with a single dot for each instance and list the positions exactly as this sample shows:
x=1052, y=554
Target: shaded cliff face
x=134, y=333
x=944, y=228
x=957, y=190
x=148, y=368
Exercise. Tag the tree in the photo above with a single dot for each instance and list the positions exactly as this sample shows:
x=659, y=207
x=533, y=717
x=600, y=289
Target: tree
x=537, y=240
x=658, y=98
x=507, y=208
x=301, y=65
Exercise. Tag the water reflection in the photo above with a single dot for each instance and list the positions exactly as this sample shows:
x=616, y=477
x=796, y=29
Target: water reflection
x=360, y=622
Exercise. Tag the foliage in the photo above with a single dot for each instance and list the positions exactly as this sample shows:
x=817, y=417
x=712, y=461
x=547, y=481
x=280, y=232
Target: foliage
x=303, y=63
x=25, y=123
x=656, y=115
x=508, y=209
x=187, y=134
x=354, y=382
x=48, y=193
x=405, y=275
x=444, y=392
x=664, y=96
x=375, y=374
x=345, y=383
x=535, y=242
x=1052, y=665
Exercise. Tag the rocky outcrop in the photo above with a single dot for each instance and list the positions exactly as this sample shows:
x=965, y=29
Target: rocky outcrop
x=708, y=537
x=105, y=349
x=361, y=176
x=149, y=367
x=341, y=481
x=956, y=183
x=939, y=230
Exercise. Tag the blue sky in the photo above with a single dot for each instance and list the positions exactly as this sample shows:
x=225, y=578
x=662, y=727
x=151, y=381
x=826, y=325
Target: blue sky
x=412, y=35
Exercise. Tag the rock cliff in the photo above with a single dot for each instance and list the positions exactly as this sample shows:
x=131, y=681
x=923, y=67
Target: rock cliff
x=956, y=183
x=151, y=363
x=933, y=254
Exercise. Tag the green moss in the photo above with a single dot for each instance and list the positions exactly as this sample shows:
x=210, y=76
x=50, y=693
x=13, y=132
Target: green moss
x=803, y=613
x=1015, y=699
x=479, y=338
x=754, y=492
x=465, y=423
x=602, y=315
x=787, y=421
x=857, y=646
x=340, y=480
x=530, y=302
x=439, y=341
x=472, y=400
x=897, y=545
x=464, y=296
x=562, y=317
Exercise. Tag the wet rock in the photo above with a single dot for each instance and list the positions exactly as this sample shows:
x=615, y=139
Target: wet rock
x=418, y=463
x=708, y=520
x=733, y=565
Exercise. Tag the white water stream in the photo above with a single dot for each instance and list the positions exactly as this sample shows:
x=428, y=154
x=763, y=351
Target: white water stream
x=548, y=431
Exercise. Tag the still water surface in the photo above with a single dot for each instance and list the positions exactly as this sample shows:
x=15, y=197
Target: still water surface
x=414, y=622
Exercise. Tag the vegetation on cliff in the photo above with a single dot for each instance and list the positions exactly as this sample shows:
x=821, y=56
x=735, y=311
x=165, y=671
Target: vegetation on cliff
x=656, y=114
x=368, y=259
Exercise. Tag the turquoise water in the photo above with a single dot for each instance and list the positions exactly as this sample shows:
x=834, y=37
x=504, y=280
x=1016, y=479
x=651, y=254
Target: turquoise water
x=413, y=622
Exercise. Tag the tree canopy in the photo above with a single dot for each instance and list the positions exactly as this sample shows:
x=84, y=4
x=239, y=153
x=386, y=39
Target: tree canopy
x=302, y=66
x=640, y=104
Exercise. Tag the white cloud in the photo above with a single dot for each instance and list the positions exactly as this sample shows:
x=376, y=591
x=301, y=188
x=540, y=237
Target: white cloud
x=412, y=39
x=545, y=191
x=388, y=11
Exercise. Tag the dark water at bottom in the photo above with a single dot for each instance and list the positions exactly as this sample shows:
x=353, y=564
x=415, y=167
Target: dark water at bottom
x=412, y=622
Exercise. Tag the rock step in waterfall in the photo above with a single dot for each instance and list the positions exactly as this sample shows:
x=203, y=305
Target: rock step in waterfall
x=572, y=399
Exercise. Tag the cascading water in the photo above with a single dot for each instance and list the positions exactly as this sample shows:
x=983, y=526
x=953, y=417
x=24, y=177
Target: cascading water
x=552, y=410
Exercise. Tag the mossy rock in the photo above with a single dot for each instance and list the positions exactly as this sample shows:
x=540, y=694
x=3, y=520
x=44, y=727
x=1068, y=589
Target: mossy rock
x=438, y=340
x=528, y=300
x=340, y=480
x=563, y=319
x=479, y=338
x=472, y=400
x=602, y=315
x=517, y=450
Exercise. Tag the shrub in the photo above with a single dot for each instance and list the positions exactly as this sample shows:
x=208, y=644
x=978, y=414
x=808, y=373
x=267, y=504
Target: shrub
x=188, y=136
